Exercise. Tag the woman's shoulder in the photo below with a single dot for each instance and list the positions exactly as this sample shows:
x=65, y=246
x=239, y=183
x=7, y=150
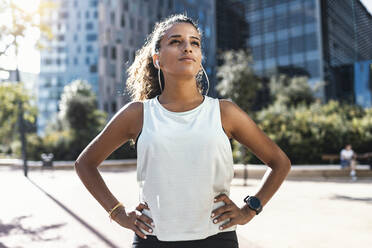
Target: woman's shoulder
x=226, y=105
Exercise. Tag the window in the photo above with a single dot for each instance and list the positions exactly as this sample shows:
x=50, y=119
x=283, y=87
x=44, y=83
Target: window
x=61, y=49
x=95, y=14
x=87, y=60
x=113, y=107
x=256, y=28
x=269, y=50
x=91, y=37
x=105, y=51
x=76, y=61
x=139, y=24
x=131, y=23
x=78, y=26
x=311, y=42
x=93, y=68
x=282, y=47
x=78, y=14
x=281, y=21
x=63, y=15
x=257, y=53
x=269, y=24
x=89, y=26
x=87, y=14
x=170, y=4
x=93, y=3
x=105, y=107
x=78, y=49
x=61, y=37
x=113, y=53
x=47, y=61
x=313, y=68
x=296, y=18
x=58, y=61
x=297, y=44
x=89, y=49
x=126, y=5
x=122, y=21
x=112, y=18
x=126, y=55
x=75, y=37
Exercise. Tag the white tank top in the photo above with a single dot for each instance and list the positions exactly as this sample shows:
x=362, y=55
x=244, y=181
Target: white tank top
x=184, y=160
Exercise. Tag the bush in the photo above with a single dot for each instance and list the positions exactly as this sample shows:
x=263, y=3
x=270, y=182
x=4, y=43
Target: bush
x=304, y=132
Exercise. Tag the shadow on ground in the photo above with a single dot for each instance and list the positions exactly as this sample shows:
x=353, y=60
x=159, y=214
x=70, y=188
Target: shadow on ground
x=16, y=227
x=76, y=217
x=367, y=200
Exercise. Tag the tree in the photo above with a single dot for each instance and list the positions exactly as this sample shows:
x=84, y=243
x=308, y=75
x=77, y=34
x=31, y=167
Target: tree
x=291, y=91
x=237, y=80
x=23, y=21
x=78, y=122
x=10, y=95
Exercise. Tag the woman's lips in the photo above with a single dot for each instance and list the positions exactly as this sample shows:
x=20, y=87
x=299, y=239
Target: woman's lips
x=187, y=59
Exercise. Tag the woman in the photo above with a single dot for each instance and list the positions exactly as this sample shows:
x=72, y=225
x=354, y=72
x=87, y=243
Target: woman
x=184, y=166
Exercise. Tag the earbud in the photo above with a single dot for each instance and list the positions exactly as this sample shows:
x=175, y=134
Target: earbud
x=157, y=63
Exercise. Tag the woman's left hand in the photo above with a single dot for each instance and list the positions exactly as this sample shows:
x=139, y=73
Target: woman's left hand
x=230, y=211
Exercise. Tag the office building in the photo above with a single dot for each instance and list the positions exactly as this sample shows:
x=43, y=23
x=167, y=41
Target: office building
x=72, y=54
x=307, y=37
x=125, y=24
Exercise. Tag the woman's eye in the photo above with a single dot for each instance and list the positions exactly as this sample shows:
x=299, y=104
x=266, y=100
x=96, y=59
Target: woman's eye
x=195, y=43
x=174, y=41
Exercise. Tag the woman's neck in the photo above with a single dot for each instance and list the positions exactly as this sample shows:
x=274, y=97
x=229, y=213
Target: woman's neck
x=180, y=91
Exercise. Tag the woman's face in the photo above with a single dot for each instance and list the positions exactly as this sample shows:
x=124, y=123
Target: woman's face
x=180, y=51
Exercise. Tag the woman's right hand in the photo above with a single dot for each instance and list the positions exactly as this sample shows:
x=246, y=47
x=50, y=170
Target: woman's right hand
x=134, y=220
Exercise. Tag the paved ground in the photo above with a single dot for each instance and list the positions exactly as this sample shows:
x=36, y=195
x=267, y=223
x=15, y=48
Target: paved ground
x=53, y=209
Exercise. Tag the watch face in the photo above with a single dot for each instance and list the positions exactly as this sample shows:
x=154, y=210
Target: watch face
x=254, y=202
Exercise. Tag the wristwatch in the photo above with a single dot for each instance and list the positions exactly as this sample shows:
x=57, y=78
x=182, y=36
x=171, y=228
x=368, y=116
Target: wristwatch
x=253, y=203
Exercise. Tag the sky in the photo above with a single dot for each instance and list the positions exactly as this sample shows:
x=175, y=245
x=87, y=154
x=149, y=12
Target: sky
x=30, y=59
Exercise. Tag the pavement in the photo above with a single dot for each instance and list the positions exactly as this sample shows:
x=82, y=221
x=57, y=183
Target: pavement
x=52, y=208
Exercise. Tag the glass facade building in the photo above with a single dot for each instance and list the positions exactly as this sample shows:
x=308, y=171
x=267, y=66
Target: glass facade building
x=72, y=54
x=285, y=33
x=363, y=83
x=309, y=37
x=124, y=26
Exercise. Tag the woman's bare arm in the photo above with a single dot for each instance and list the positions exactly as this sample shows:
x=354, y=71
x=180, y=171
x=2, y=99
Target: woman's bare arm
x=246, y=132
x=119, y=130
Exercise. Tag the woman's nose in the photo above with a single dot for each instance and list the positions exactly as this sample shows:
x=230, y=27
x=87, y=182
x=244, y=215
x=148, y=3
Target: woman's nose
x=187, y=48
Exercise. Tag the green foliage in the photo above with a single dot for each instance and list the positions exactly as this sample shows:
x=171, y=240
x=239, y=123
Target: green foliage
x=237, y=80
x=11, y=95
x=79, y=121
x=306, y=132
x=22, y=22
x=291, y=91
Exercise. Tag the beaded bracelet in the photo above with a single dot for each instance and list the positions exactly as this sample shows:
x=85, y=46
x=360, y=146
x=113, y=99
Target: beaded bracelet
x=113, y=209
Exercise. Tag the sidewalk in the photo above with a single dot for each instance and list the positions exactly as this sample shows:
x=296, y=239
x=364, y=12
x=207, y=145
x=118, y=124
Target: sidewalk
x=253, y=171
x=53, y=209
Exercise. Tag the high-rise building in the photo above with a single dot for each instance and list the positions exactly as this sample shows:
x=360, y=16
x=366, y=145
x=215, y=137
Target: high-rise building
x=307, y=37
x=124, y=25
x=72, y=54
x=347, y=39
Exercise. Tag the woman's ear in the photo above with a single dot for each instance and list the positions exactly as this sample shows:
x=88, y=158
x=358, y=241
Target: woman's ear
x=155, y=60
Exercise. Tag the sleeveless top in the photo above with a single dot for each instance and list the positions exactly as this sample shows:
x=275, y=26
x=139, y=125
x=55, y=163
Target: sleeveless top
x=184, y=160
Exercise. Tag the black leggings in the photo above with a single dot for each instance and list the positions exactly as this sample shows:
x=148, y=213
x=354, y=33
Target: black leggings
x=219, y=240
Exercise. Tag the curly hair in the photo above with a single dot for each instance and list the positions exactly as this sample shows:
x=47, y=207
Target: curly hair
x=142, y=82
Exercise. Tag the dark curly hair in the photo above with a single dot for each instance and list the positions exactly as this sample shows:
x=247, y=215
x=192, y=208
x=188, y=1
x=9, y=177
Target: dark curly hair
x=142, y=82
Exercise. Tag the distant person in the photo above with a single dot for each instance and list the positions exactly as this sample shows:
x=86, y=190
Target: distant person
x=347, y=158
